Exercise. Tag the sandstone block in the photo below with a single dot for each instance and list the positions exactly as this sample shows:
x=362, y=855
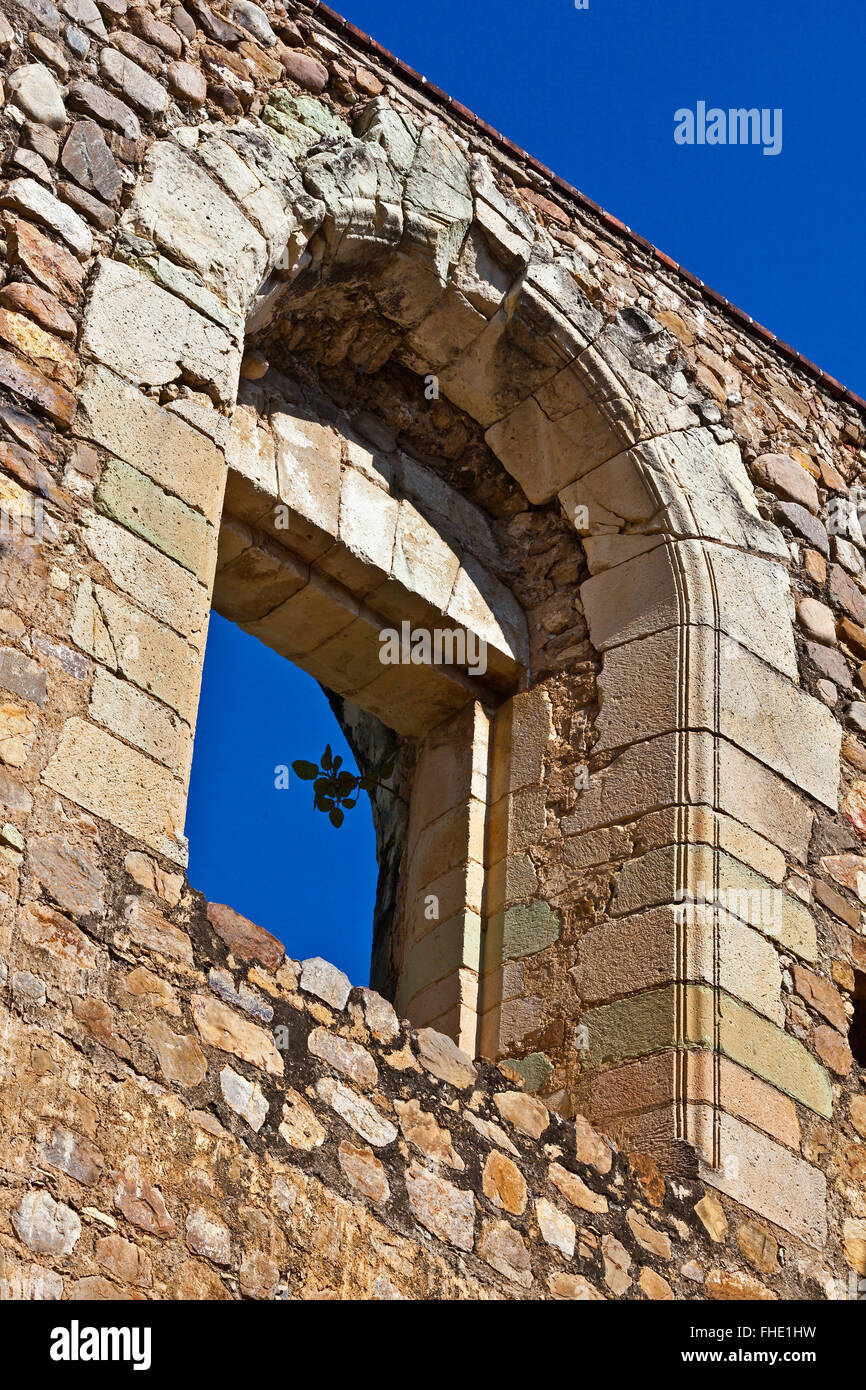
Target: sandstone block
x=124, y=1261
x=136, y=85
x=441, y=1057
x=723, y=1284
x=854, y=1234
x=503, y=1183
x=643, y=777
x=420, y=1128
x=87, y=159
x=48, y=931
x=786, y=478
x=833, y=1050
x=649, y=1237
x=126, y=711
x=21, y=676
x=208, y=1236
x=130, y=498
x=149, y=929
x=379, y=1016
x=344, y=1056
x=711, y=885
x=30, y=198
x=73, y=1155
x=47, y=396
x=245, y=940
x=33, y=88
x=16, y=734
x=244, y=1097
x=364, y=1172
x=525, y=1112
x=326, y=982
x=439, y=956
x=357, y=1111
x=505, y=1249
x=654, y=1286
x=712, y=1217
x=259, y=1275
x=556, y=1228
x=68, y=874
x=646, y=1023
x=153, y=440
x=573, y=1286
x=122, y=786
x=751, y=705
x=187, y=83
x=152, y=338
x=50, y=265
x=576, y=1191
x=822, y=996
x=767, y=1179
x=193, y=220
x=47, y=311
x=146, y=652
x=760, y=1248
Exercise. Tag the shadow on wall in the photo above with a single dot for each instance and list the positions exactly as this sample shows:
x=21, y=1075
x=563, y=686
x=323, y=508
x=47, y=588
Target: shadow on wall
x=256, y=843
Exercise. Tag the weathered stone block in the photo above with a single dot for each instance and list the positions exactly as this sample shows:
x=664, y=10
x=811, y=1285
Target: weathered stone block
x=765, y=1178
x=126, y=639
x=645, y=1023
x=441, y=952
x=69, y=875
x=154, y=440
x=23, y=677
x=703, y=877
x=152, y=338
x=221, y=1027
x=131, y=499
x=167, y=590
x=641, y=952
x=646, y=776
x=443, y=1209
x=742, y=698
x=141, y=721
x=122, y=786
x=187, y=214
x=46, y=1226
x=748, y=601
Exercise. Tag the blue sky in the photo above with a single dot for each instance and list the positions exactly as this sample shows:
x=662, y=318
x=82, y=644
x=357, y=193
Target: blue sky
x=591, y=93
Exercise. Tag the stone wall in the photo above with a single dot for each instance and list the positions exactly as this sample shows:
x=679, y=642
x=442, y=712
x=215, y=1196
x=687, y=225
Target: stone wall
x=209, y=1119
x=240, y=246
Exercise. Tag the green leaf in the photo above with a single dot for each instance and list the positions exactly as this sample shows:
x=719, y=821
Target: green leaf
x=327, y=759
x=346, y=782
x=337, y=764
x=306, y=771
x=348, y=802
x=336, y=817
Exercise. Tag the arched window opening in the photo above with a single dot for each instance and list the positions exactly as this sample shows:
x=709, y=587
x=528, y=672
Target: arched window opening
x=256, y=842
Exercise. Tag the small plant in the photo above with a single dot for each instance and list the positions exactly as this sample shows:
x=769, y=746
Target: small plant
x=335, y=789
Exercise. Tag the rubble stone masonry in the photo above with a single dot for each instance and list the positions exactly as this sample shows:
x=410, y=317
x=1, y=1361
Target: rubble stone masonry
x=286, y=331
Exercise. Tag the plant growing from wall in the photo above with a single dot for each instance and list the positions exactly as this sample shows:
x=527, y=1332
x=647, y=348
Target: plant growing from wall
x=335, y=789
